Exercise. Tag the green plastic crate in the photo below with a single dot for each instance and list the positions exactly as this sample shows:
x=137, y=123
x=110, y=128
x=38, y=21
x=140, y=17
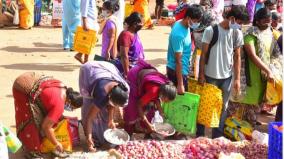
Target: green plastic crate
x=182, y=112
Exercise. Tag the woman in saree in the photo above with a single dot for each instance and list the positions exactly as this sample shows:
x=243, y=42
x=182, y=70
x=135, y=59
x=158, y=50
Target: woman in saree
x=104, y=91
x=129, y=45
x=142, y=7
x=39, y=104
x=261, y=49
x=148, y=89
x=26, y=13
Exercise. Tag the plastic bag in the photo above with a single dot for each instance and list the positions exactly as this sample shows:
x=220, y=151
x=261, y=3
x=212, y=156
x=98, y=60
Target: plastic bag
x=62, y=134
x=3, y=144
x=74, y=129
x=274, y=90
x=16, y=19
x=240, y=125
x=157, y=118
x=211, y=103
x=261, y=138
x=13, y=143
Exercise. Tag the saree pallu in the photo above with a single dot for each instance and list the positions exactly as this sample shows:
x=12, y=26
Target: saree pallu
x=26, y=14
x=142, y=7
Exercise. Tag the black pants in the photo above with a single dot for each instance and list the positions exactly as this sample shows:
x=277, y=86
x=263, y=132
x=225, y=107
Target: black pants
x=173, y=77
x=279, y=116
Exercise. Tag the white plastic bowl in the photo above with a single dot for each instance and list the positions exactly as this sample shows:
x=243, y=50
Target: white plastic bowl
x=116, y=136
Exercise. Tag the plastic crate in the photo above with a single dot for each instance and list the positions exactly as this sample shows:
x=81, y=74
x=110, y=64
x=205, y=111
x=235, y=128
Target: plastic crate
x=85, y=41
x=182, y=112
x=275, y=141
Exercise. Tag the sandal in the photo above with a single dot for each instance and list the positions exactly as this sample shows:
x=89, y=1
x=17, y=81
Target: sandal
x=34, y=155
x=59, y=154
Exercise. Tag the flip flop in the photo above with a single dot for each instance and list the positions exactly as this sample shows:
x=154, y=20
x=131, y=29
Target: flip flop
x=33, y=155
x=60, y=154
x=78, y=59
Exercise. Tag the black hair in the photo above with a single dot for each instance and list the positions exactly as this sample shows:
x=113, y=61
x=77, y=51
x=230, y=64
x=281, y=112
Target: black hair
x=262, y=13
x=111, y=5
x=75, y=98
x=239, y=12
x=133, y=19
x=194, y=11
x=119, y=95
x=168, y=90
x=275, y=16
x=206, y=2
x=270, y=2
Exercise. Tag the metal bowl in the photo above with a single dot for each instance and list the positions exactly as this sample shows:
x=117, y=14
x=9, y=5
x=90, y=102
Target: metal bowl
x=160, y=128
x=116, y=136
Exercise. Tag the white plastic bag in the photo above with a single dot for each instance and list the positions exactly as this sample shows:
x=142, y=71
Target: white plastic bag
x=16, y=19
x=259, y=137
x=3, y=144
x=157, y=118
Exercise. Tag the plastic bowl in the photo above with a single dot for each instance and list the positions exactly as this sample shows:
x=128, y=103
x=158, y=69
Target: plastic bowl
x=116, y=136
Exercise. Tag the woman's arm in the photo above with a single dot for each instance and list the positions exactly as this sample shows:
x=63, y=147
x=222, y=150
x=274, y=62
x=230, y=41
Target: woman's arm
x=124, y=59
x=250, y=51
x=143, y=116
x=89, y=127
x=111, y=36
x=47, y=126
x=111, y=123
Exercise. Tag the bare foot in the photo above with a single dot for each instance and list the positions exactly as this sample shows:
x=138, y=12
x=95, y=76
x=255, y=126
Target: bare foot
x=78, y=57
x=86, y=58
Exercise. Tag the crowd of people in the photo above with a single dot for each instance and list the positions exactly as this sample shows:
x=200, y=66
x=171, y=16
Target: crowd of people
x=237, y=42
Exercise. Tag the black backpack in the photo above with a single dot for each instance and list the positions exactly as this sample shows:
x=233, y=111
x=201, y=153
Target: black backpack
x=212, y=42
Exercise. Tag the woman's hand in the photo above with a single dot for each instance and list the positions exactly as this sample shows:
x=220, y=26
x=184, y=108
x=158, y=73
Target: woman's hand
x=59, y=147
x=91, y=145
x=149, y=126
x=111, y=124
x=270, y=76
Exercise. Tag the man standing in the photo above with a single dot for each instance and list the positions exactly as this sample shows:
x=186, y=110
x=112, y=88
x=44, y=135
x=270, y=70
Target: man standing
x=223, y=59
x=179, y=48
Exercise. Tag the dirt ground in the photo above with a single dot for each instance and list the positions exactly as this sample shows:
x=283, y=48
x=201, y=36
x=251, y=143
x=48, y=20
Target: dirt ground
x=40, y=49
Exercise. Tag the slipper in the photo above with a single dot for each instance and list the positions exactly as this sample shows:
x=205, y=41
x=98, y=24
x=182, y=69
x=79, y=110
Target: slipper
x=60, y=154
x=33, y=155
x=78, y=59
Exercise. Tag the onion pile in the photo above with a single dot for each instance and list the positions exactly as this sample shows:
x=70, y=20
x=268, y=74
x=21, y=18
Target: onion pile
x=253, y=150
x=204, y=148
x=151, y=149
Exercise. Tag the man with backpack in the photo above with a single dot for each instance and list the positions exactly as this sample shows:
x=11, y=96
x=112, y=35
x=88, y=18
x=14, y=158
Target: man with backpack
x=220, y=59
